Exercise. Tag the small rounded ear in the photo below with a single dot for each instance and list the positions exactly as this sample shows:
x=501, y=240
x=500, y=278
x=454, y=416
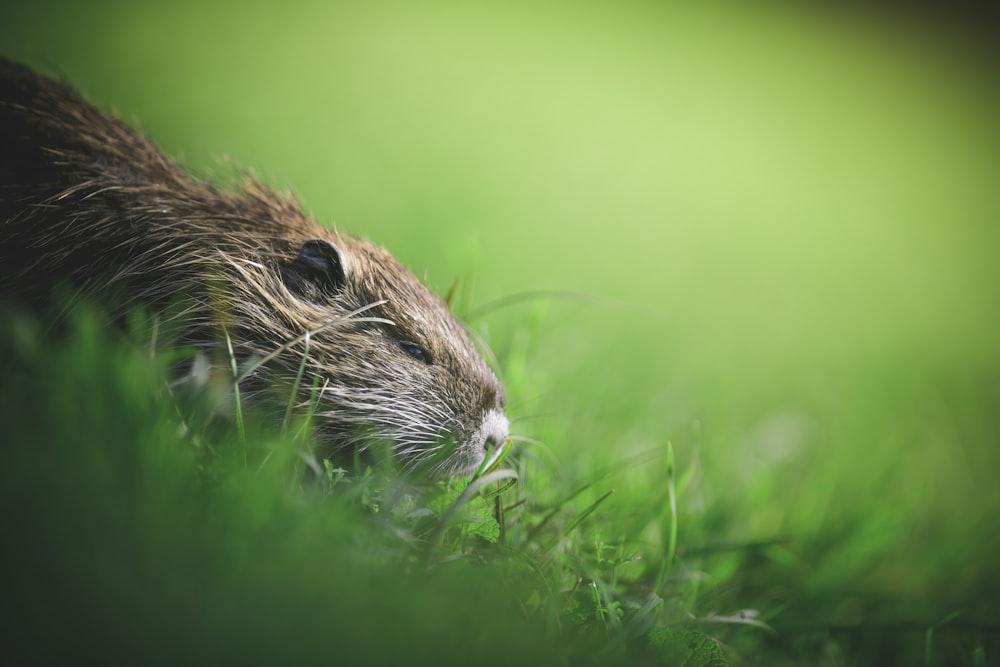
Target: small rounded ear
x=317, y=271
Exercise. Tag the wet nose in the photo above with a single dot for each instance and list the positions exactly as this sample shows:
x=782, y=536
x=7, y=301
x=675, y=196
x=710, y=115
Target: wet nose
x=494, y=440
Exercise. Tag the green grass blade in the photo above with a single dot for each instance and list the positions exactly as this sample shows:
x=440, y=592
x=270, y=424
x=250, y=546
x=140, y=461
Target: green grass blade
x=668, y=558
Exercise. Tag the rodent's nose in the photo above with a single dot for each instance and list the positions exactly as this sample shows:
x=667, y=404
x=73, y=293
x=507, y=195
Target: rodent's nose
x=496, y=429
x=494, y=440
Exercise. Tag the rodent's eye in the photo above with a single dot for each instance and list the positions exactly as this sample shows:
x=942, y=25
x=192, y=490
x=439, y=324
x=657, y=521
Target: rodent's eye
x=417, y=352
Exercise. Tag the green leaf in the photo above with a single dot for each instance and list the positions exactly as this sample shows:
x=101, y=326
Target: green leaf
x=475, y=515
x=686, y=648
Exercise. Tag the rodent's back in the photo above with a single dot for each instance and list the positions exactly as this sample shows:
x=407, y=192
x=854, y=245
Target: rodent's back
x=86, y=201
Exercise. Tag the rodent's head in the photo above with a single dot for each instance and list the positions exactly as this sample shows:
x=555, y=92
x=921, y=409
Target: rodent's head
x=391, y=362
x=88, y=201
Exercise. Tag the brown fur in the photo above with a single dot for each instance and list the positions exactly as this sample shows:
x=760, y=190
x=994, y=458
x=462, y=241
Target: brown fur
x=86, y=201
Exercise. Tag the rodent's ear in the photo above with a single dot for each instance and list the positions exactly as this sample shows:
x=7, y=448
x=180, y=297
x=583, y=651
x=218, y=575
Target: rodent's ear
x=318, y=270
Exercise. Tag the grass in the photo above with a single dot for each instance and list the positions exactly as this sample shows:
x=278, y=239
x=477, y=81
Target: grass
x=784, y=220
x=154, y=524
x=150, y=526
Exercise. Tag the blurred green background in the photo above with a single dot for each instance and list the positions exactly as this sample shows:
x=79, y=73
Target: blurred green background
x=788, y=220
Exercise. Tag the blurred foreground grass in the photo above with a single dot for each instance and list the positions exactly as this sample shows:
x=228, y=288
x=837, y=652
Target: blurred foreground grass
x=794, y=212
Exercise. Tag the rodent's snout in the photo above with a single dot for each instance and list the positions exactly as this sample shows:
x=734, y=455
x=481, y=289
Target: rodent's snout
x=488, y=439
x=495, y=429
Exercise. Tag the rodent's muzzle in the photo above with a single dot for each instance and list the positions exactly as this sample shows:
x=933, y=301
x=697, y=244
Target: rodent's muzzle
x=495, y=429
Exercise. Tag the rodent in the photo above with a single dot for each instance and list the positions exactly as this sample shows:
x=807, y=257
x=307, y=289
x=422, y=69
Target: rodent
x=87, y=201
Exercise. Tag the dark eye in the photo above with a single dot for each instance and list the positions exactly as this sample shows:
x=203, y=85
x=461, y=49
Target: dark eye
x=417, y=352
